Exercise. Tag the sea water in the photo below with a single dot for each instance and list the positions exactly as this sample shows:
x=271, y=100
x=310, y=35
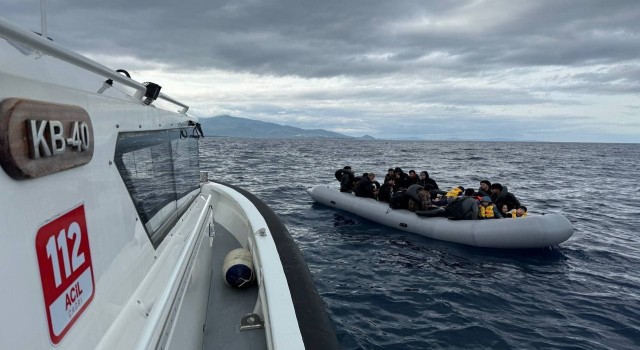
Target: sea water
x=387, y=289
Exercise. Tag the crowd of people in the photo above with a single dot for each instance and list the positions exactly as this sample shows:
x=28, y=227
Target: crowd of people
x=421, y=194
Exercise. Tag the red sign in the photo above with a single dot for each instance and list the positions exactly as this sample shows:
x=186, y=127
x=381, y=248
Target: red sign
x=66, y=273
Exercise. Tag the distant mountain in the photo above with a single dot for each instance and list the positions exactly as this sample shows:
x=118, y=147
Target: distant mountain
x=226, y=125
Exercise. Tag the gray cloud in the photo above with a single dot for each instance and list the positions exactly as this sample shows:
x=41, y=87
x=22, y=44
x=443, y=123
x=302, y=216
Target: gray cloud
x=330, y=38
x=459, y=61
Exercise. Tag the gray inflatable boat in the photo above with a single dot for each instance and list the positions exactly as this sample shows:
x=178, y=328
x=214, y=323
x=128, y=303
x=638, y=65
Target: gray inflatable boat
x=534, y=231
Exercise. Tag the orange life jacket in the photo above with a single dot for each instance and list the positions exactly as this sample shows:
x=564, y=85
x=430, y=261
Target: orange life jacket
x=454, y=192
x=486, y=212
x=514, y=215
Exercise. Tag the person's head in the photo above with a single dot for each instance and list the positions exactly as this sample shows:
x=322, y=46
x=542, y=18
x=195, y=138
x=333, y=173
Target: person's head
x=347, y=167
x=504, y=208
x=371, y=176
x=496, y=188
x=521, y=210
x=397, y=170
x=423, y=192
x=469, y=192
x=424, y=174
x=485, y=201
x=391, y=181
x=412, y=173
x=485, y=185
x=390, y=171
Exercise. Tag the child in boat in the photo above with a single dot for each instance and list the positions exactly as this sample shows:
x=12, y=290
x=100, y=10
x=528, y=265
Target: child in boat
x=504, y=211
x=521, y=212
x=487, y=210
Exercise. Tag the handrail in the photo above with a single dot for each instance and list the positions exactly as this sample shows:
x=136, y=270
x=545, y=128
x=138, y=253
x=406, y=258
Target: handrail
x=15, y=33
x=175, y=102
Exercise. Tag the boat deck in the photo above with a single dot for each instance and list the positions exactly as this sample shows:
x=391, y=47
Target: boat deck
x=227, y=306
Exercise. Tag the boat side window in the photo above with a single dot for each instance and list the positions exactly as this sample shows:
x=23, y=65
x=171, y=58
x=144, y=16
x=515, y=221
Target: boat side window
x=187, y=171
x=160, y=171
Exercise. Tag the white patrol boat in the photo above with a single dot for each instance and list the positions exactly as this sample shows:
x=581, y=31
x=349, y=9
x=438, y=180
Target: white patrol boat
x=110, y=238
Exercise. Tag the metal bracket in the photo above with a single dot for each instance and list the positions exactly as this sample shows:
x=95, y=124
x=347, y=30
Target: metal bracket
x=212, y=230
x=212, y=227
x=251, y=321
x=254, y=320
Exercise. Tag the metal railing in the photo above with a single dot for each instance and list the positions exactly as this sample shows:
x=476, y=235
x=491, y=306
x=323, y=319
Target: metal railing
x=15, y=33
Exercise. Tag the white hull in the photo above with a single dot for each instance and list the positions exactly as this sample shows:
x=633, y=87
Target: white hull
x=534, y=231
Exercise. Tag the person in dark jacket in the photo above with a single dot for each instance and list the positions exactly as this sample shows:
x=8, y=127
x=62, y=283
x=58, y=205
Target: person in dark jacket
x=412, y=179
x=401, y=178
x=386, y=189
x=365, y=187
x=500, y=195
x=422, y=181
x=346, y=179
x=485, y=189
x=470, y=205
x=425, y=179
x=430, y=184
x=420, y=196
x=390, y=175
x=463, y=207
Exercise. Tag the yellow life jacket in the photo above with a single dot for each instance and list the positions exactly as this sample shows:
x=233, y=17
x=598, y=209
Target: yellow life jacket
x=486, y=212
x=514, y=215
x=454, y=192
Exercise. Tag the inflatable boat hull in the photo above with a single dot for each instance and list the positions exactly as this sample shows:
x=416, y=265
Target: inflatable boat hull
x=534, y=231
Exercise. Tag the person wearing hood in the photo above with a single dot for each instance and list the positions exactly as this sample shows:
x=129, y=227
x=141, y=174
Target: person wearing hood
x=402, y=179
x=487, y=210
x=500, y=195
x=430, y=184
x=346, y=179
x=426, y=180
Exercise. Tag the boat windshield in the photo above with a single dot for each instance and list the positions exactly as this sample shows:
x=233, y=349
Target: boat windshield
x=161, y=172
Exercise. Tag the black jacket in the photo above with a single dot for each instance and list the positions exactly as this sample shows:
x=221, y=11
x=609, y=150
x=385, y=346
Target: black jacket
x=505, y=197
x=346, y=181
x=403, y=180
x=385, y=192
x=482, y=193
x=428, y=183
x=364, y=188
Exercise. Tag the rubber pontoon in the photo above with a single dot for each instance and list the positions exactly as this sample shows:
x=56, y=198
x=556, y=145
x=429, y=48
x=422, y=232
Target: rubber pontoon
x=534, y=231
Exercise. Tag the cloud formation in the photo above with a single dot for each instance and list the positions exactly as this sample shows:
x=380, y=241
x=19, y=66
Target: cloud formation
x=553, y=70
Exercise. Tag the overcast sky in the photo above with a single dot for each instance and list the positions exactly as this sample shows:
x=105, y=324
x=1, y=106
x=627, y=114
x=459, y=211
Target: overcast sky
x=522, y=70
